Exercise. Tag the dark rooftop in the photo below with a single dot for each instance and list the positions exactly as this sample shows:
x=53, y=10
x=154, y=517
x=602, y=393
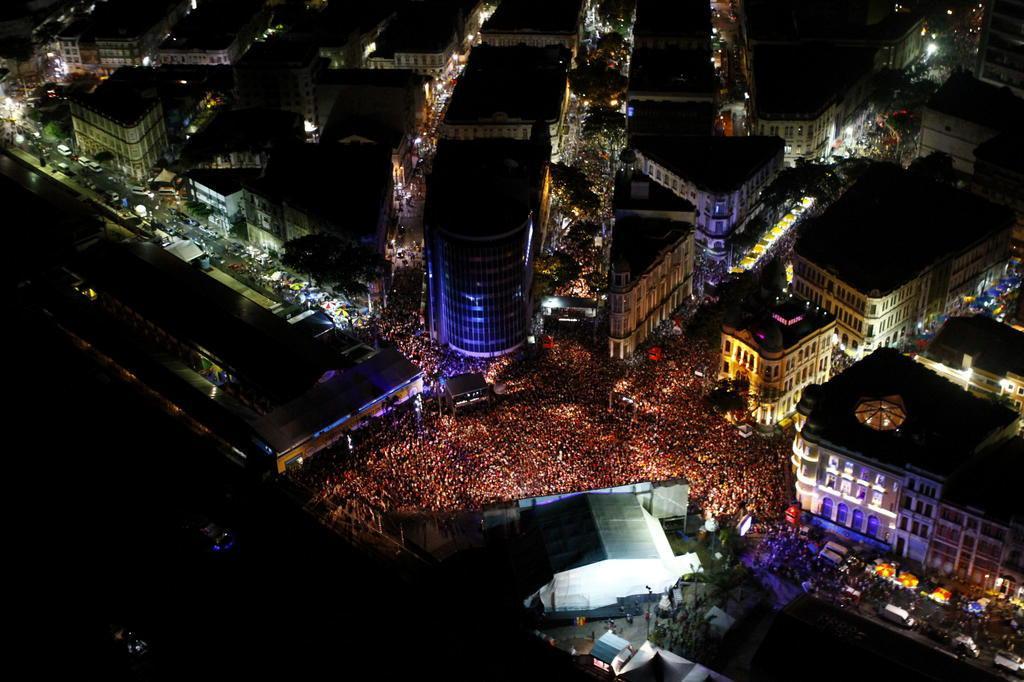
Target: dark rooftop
x=484, y=188
x=279, y=53
x=672, y=18
x=920, y=219
x=383, y=78
x=535, y=16
x=992, y=346
x=121, y=103
x=419, y=27
x=224, y=181
x=991, y=481
x=213, y=25
x=648, y=117
x=637, y=241
x=636, y=193
x=249, y=340
x=345, y=185
x=944, y=425
x=1005, y=150
x=966, y=97
x=797, y=20
x=828, y=634
x=116, y=19
x=719, y=164
x=527, y=83
x=245, y=129
x=777, y=323
x=672, y=70
x=802, y=80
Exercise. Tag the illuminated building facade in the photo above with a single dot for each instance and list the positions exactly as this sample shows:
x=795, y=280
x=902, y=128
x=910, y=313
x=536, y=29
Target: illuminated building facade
x=1000, y=56
x=485, y=208
x=879, y=299
x=984, y=356
x=721, y=176
x=778, y=346
x=120, y=121
x=651, y=276
x=876, y=445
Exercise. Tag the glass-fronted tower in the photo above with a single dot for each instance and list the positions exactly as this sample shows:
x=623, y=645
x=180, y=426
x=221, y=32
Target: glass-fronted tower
x=481, y=224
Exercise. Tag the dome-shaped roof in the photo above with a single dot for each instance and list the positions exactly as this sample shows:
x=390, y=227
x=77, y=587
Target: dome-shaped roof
x=881, y=414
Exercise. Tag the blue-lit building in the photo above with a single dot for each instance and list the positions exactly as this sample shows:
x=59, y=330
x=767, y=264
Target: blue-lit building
x=485, y=208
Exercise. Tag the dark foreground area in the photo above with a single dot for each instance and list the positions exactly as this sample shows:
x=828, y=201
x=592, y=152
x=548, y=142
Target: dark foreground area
x=110, y=493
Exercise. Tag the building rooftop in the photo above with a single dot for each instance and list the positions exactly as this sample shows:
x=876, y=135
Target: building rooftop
x=801, y=80
x=717, y=164
x=344, y=185
x=987, y=344
x=638, y=242
x=1005, y=150
x=535, y=16
x=776, y=323
x=526, y=83
x=251, y=342
x=941, y=426
x=279, y=53
x=119, y=19
x=970, y=99
x=648, y=117
x=975, y=485
x=213, y=25
x=484, y=188
x=419, y=27
x=336, y=397
x=245, y=130
x=838, y=21
x=920, y=219
x=673, y=18
x=636, y=192
x=223, y=181
x=672, y=70
x=118, y=102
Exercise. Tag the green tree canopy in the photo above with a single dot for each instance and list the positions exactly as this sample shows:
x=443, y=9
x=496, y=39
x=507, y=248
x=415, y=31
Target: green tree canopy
x=334, y=260
x=574, y=191
x=598, y=82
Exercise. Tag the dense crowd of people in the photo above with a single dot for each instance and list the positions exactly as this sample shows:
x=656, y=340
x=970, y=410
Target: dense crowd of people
x=571, y=419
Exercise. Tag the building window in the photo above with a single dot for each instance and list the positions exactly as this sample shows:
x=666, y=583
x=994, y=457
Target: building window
x=872, y=526
x=841, y=514
x=826, y=507
x=858, y=519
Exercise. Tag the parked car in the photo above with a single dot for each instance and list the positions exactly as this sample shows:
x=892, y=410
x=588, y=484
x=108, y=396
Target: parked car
x=139, y=190
x=897, y=615
x=1009, y=662
x=64, y=150
x=962, y=644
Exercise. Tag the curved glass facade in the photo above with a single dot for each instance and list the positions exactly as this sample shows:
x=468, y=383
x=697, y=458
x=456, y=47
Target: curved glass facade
x=480, y=290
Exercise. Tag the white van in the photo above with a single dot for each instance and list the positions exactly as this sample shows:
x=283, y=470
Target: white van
x=895, y=614
x=64, y=150
x=167, y=192
x=836, y=547
x=830, y=556
x=1010, y=662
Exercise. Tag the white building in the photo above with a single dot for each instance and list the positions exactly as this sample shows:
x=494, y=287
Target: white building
x=891, y=254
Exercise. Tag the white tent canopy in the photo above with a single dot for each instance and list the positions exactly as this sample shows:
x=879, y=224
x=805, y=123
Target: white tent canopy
x=603, y=547
x=651, y=664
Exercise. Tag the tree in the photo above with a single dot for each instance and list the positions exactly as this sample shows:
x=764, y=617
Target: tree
x=618, y=13
x=199, y=208
x=606, y=124
x=612, y=48
x=335, y=260
x=56, y=129
x=574, y=191
x=937, y=166
x=598, y=82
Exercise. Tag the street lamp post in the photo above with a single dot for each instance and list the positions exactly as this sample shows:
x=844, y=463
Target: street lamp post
x=650, y=592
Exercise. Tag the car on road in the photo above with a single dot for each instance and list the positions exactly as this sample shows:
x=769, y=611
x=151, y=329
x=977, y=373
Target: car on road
x=64, y=150
x=1009, y=662
x=964, y=645
x=63, y=167
x=139, y=190
x=897, y=615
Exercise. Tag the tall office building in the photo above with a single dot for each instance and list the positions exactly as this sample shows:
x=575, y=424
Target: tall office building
x=1001, y=54
x=483, y=218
